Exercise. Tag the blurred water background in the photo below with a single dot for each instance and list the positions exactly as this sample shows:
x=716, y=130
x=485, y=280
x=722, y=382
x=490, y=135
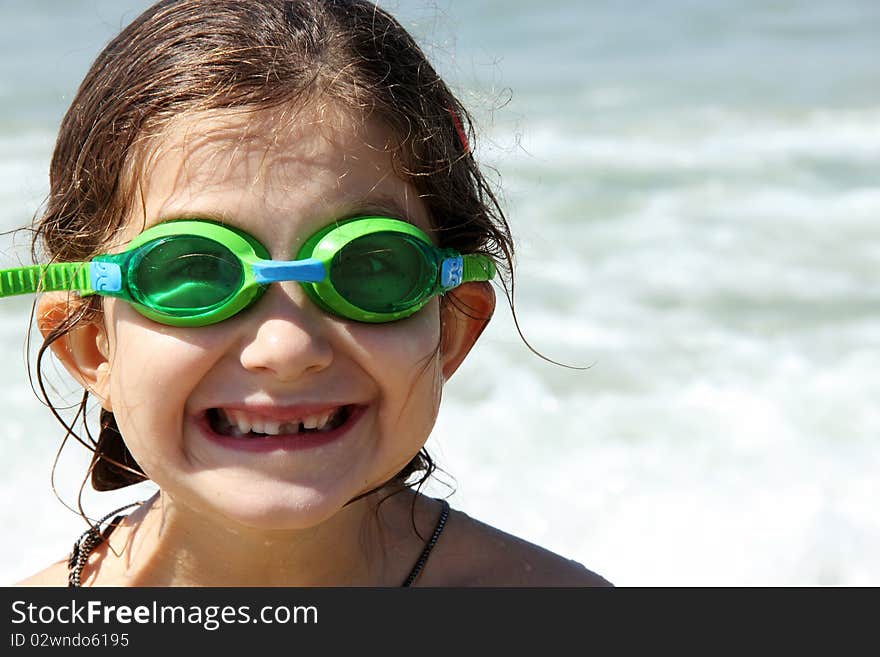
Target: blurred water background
x=694, y=190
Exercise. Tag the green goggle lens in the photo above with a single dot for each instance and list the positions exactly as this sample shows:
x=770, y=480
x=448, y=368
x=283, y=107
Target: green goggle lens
x=187, y=274
x=383, y=272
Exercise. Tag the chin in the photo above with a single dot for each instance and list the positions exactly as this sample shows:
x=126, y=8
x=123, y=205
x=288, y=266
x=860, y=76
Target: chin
x=288, y=510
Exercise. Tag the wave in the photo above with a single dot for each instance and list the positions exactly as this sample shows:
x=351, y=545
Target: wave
x=711, y=138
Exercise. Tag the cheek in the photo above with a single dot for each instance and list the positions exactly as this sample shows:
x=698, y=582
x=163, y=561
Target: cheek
x=149, y=366
x=153, y=370
x=403, y=358
x=400, y=350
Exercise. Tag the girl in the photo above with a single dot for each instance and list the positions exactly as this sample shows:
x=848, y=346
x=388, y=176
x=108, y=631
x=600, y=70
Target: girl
x=269, y=247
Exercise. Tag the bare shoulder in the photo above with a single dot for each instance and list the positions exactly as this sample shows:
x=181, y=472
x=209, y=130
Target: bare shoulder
x=54, y=575
x=472, y=553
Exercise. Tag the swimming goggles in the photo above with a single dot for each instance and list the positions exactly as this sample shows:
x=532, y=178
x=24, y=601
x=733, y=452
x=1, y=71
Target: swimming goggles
x=195, y=272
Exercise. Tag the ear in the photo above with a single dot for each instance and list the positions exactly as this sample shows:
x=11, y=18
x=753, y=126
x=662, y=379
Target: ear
x=83, y=350
x=465, y=313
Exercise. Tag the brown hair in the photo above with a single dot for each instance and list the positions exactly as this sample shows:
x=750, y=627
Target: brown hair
x=192, y=55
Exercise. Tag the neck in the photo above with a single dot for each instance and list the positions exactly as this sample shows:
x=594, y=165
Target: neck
x=170, y=544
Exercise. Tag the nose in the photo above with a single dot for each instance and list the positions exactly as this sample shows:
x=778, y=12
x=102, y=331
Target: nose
x=288, y=339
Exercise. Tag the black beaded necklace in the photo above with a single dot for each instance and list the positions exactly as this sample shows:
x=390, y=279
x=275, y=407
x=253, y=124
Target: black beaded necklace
x=92, y=538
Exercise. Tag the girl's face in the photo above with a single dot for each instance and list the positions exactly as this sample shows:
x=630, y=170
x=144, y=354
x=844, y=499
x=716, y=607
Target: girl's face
x=177, y=392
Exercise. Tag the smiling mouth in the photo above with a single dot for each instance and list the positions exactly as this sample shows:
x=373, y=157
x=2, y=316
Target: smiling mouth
x=241, y=424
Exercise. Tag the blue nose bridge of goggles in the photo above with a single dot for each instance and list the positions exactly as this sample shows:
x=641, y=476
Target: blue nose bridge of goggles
x=310, y=270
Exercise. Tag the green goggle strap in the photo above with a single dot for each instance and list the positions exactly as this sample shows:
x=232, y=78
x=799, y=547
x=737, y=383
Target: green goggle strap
x=73, y=276
x=477, y=267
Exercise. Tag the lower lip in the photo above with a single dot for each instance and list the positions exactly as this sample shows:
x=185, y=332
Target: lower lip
x=287, y=443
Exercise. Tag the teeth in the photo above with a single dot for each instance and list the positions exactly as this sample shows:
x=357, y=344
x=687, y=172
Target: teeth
x=243, y=425
x=240, y=423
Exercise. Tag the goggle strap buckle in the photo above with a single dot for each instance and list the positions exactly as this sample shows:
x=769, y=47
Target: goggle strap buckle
x=451, y=272
x=105, y=276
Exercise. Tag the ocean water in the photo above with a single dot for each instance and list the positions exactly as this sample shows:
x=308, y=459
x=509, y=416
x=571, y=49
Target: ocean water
x=693, y=188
